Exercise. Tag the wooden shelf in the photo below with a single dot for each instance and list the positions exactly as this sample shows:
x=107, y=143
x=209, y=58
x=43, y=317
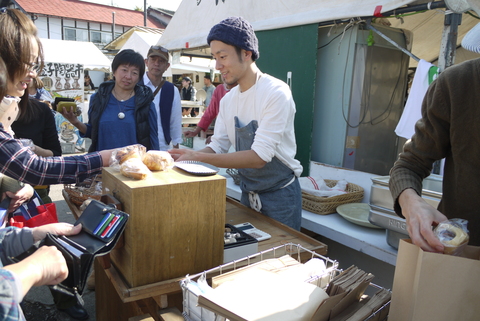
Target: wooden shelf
x=114, y=295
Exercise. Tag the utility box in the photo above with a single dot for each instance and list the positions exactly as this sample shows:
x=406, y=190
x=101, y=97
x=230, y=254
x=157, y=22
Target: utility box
x=359, y=97
x=176, y=225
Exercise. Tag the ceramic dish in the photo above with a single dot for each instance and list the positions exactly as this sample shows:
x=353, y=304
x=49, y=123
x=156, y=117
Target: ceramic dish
x=197, y=168
x=356, y=213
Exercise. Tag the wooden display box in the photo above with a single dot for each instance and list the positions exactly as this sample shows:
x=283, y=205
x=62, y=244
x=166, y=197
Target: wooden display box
x=176, y=224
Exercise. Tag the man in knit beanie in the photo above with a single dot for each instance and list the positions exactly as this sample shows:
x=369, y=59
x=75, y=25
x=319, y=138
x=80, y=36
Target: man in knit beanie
x=256, y=118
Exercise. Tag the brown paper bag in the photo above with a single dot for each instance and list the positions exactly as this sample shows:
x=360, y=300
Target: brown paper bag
x=432, y=286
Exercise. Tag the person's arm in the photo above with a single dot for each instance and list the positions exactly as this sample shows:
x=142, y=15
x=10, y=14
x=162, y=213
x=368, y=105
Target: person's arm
x=210, y=113
x=16, y=190
x=430, y=142
x=21, y=163
x=212, y=110
x=218, y=155
x=193, y=133
x=73, y=119
x=47, y=265
x=11, y=295
x=176, y=120
x=19, y=197
x=241, y=159
x=420, y=217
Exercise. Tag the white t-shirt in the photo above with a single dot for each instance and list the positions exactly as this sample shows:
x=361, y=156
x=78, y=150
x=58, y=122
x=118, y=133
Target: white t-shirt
x=271, y=104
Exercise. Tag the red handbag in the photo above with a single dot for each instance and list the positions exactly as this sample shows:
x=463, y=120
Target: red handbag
x=34, y=213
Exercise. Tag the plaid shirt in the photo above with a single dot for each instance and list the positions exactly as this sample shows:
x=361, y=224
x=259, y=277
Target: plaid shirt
x=21, y=163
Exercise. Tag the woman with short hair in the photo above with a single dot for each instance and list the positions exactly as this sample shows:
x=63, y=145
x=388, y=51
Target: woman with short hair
x=122, y=111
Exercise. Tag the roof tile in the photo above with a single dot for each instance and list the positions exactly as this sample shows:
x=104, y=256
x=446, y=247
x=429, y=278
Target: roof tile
x=80, y=10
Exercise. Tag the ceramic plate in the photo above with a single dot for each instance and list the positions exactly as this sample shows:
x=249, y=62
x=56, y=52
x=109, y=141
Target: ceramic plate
x=197, y=168
x=356, y=213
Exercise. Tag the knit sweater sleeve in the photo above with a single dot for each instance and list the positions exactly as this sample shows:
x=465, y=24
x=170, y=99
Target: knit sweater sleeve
x=431, y=142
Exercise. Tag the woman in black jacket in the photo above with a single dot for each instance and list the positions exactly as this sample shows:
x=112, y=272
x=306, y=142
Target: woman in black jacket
x=122, y=112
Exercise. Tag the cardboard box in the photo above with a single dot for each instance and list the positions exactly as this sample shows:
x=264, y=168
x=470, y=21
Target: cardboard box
x=176, y=224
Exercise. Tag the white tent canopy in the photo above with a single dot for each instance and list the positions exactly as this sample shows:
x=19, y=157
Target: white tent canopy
x=78, y=52
x=194, y=19
x=142, y=41
x=427, y=27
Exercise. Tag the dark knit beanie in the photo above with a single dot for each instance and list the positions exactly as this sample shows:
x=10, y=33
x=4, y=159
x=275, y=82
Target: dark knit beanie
x=237, y=32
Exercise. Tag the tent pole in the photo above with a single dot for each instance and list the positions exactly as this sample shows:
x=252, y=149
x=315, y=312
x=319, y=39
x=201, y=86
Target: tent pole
x=420, y=7
x=405, y=51
x=446, y=57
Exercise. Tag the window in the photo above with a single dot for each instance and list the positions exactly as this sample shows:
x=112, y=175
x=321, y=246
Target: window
x=70, y=34
x=100, y=37
x=76, y=34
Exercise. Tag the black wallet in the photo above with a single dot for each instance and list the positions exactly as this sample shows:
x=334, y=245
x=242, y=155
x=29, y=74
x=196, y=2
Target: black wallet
x=102, y=226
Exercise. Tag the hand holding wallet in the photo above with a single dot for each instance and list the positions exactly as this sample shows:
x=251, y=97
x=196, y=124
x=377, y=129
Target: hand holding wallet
x=102, y=226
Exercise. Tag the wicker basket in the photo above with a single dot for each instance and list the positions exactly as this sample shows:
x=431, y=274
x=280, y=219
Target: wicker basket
x=234, y=173
x=81, y=192
x=328, y=205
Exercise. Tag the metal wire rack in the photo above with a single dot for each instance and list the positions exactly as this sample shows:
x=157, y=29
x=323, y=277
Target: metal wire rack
x=192, y=312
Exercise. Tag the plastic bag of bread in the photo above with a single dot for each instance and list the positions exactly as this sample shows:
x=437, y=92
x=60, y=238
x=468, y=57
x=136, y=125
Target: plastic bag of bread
x=120, y=155
x=453, y=234
x=135, y=168
x=157, y=160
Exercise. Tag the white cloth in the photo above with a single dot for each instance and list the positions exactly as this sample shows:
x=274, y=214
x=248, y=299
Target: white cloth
x=412, y=112
x=175, y=118
x=9, y=112
x=270, y=102
x=471, y=41
x=317, y=187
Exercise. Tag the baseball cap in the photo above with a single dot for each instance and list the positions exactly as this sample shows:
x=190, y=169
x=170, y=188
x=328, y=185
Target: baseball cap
x=158, y=51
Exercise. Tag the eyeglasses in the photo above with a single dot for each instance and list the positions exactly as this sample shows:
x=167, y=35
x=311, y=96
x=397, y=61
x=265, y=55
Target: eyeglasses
x=159, y=48
x=34, y=67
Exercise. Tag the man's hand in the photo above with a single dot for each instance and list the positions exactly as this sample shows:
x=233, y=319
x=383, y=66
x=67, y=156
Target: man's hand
x=21, y=196
x=106, y=156
x=70, y=116
x=192, y=133
x=46, y=266
x=52, y=268
x=420, y=217
x=183, y=154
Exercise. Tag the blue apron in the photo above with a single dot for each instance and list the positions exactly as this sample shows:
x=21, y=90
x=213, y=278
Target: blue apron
x=274, y=189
